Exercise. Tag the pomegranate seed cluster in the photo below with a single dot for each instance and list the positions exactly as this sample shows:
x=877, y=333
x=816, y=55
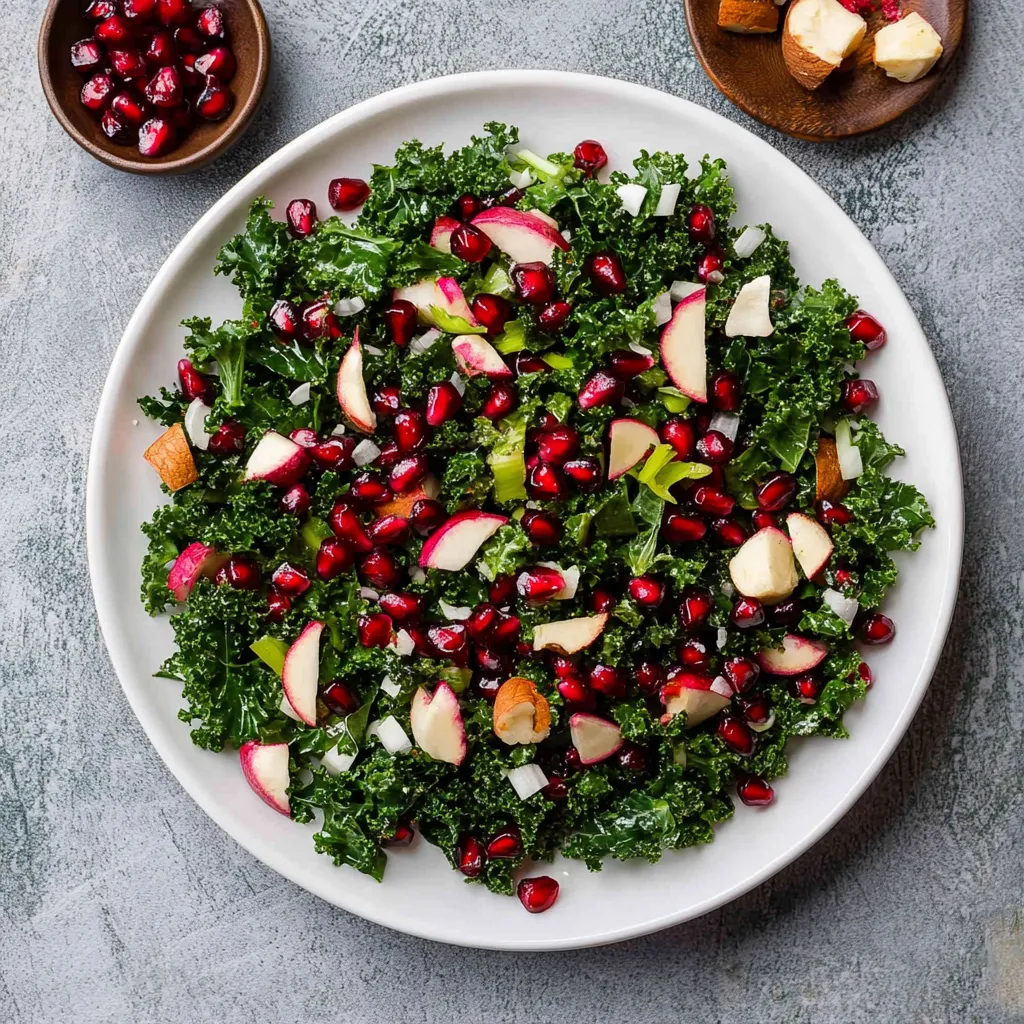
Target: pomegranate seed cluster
x=155, y=69
x=505, y=521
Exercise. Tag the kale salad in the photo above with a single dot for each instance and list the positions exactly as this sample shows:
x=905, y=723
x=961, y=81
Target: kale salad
x=533, y=509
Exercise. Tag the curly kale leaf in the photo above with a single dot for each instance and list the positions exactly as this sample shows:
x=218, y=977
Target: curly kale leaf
x=253, y=258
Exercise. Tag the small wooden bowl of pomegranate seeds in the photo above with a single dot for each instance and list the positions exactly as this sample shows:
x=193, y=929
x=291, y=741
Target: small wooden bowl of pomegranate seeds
x=154, y=86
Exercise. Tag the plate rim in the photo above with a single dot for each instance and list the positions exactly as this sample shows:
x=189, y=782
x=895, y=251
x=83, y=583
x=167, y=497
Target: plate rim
x=104, y=592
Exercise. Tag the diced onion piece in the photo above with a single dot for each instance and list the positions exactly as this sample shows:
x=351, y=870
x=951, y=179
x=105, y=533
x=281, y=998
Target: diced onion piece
x=723, y=637
x=521, y=179
x=667, y=200
x=727, y=423
x=727, y=588
x=195, y=420
x=424, y=341
x=663, y=308
x=335, y=762
x=367, y=594
x=373, y=727
x=763, y=726
x=373, y=350
x=680, y=289
x=286, y=708
x=639, y=349
x=850, y=463
x=390, y=687
x=349, y=307
x=721, y=686
x=339, y=429
x=365, y=452
x=404, y=643
x=455, y=613
x=458, y=383
x=300, y=396
x=392, y=736
x=632, y=197
x=417, y=575
x=431, y=487
x=527, y=779
x=566, y=234
x=845, y=607
x=748, y=241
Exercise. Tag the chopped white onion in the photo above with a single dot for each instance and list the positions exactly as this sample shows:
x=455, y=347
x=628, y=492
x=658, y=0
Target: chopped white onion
x=716, y=277
x=195, y=424
x=365, y=452
x=632, y=197
x=680, y=289
x=339, y=429
x=667, y=200
x=457, y=382
x=417, y=575
x=431, y=487
x=720, y=685
x=663, y=308
x=527, y=779
x=748, y=241
x=850, y=463
x=335, y=762
x=367, y=594
x=533, y=504
x=521, y=179
x=373, y=350
x=627, y=403
x=300, y=396
x=727, y=588
x=723, y=638
x=373, y=728
x=392, y=736
x=390, y=687
x=763, y=726
x=567, y=234
x=639, y=349
x=727, y=423
x=424, y=341
x=845, y=607
x=455, y=613
x=404, y=643
x=286, y=708
x=349, y=307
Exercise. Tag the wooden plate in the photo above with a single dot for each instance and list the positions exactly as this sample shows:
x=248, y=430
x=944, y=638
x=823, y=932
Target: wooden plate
x=857, y=98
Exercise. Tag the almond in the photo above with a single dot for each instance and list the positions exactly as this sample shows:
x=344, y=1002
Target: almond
x=817, y=37
x=521, y=714
x=748, y=16
x=830, y=482
x=171, y=457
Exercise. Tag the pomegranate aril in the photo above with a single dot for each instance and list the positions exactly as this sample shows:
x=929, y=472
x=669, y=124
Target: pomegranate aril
x=241, y=572
x=833, y=513
x=545, y=482
x=729, y=531
x=304, y=437
x=375, y=630
x=742, y=673
x=285, y=320
x=443, y=402
x=470, y=856
x=219, y=61
x=174, y=12
x=390, y=529
x=754, y=791
x=537, y=894
x=506, y=632
x=747, y=613
x=589, y=157
x=777, y=491
x=426, y=514
x=500, y=401
x=601, y=389
x=469, y=243
x=858, y=395
x=193, y=383
x=402, y=607
x=333, y=558
x=576, y=694
x=481, y=621
x=116, y=128
x=188, y=40
x=130, y=64
x=680, y=529
x=711, y=500
x=295, y=500
x=387, y=401
x=344, y=521
x=502, y=590
x=340, y=697
x=400, y=321
x=335, y=453
x=585, y=473
x=573, y=761
x=763, y=520
x=700, y=224
x=509, y=197
x=492, y=663
x=607, y=680
x=402, y=836
x=681, y=435
x=210, y=23
x=300, y=215
x=538, y=583
x=863, y=327
x=492, y=311
x=542, y=528
x=113, y=31
x=787, y=612
x=631, y=758
x=214, y=103
x=726, y=391
x=877, y=629
x=646, y=591
x=380, y=569
x=624, y=364
x=553, y=316
x=96, y=91
x=736, y=735
x=86, y=55
x=693, y=653
x=558, y=444
x=100, y=10
x=605, y=272
x=865, y=674
x=164, y=88
x=227, y=439
x=807, y=689
x=506, y=844
x=534, y=283
x=649, y=677
x=140, y=12
x=556, y=789
x=757, y=712
x=695, y=607
x=129, y=108
x=318, y=321
x=466, y=207
x=410, y=430
x=709, y=267
x=601, y=600
x=405, y=475
x=290, y=579
x=278, y=605
x=714, y=447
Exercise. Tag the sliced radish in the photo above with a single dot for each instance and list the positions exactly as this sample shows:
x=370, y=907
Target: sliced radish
x=276, y=459
x=698, y=695
x=798, y=655
x=763, y=567
x=195, y=561
x=475, y=357
x=436, y=722
x=441, y=236
x=453, y=301
x=520, y=235
x=629, y=441
x=812, y=545
x=265, y=767
x=351, y=390
x=569, y=635
x=544, y=218
x=595, y=739
x=300, y=676
x=682, y=347
x=749, y=316
x=454, y=543
x=444, y=294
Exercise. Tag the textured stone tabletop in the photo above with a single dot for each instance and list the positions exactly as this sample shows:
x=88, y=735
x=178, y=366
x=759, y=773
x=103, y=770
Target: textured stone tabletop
x=120, y=901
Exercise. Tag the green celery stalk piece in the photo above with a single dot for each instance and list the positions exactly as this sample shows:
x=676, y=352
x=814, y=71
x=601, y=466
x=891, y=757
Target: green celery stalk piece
x=497, y=282
x=512, y=339
x=270, y=651
x=450, y=324
x=673, y=399
x=315, y=531
x=557, y=361
x=509, y=472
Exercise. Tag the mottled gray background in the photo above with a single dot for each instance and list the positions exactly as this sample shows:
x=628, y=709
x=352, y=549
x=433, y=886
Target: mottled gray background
x=123, y=902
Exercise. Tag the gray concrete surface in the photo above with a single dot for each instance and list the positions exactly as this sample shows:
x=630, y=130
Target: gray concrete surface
x=121, y=902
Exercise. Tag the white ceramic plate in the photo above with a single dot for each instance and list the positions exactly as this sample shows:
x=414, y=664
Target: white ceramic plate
x=420, y=894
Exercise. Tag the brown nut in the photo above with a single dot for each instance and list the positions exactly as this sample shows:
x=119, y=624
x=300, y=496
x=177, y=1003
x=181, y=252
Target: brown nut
x=521, y=714
x=830, y=483
x=171, y=457
x=748, y=16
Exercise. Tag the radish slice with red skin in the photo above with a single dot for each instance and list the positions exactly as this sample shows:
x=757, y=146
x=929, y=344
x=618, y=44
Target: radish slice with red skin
x=454, y=543
x=265, y=767
x=683, y=349
x=300, y=676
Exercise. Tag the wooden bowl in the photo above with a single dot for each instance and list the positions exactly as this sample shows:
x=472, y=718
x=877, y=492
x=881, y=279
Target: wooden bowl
x=64, y=23
x=858, y=97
